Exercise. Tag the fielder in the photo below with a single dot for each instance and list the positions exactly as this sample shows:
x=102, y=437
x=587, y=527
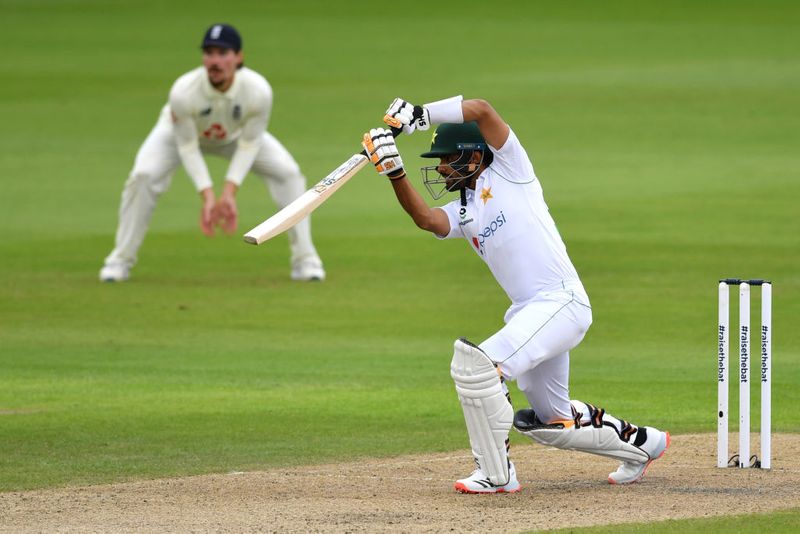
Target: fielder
x=221, y=108
x=503, y=216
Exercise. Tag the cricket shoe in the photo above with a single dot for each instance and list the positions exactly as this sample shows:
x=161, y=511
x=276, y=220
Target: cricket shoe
x=307, y=269
x=477, y=482
x=115, y=272
x=631, y=472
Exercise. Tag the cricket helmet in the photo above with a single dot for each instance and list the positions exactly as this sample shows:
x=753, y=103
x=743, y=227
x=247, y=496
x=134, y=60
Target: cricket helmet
x=450, y=138
x=461, y=139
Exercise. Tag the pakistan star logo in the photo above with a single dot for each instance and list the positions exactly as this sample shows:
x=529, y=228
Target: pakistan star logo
x=486, y=194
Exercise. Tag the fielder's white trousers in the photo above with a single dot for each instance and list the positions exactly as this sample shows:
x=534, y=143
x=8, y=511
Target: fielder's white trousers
x=533, y=347
x=151, y=176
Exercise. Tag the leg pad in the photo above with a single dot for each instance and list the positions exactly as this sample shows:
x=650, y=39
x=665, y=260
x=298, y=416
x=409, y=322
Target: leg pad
x=487, y=412
x=603, y=439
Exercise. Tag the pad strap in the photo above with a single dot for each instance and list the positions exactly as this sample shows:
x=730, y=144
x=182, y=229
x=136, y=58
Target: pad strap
x=595, y=437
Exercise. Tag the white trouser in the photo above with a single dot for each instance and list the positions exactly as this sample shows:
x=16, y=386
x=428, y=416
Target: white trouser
x=533, y=347
x=151, y=176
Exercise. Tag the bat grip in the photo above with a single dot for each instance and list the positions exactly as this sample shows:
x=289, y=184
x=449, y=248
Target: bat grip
x=395, y=133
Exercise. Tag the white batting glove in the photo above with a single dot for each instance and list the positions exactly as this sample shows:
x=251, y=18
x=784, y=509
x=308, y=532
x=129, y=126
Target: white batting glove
x=382, y=152
x=405, y=115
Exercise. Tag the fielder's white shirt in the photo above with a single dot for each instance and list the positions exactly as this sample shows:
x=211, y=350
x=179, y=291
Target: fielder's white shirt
x=508, y=225
x=204, y=117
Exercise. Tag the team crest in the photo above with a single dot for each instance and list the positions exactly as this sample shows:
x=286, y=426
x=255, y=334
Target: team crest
x=486, y=194
x=237, y=112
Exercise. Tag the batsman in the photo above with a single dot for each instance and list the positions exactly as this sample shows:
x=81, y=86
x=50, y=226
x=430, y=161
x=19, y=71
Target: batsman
x=501, y=212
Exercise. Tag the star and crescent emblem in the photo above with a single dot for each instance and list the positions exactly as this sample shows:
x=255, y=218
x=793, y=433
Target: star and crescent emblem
x=486, y=194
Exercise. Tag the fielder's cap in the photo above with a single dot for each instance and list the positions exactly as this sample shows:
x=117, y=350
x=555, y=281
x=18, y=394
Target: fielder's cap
x=450, y=138
x=223, y=36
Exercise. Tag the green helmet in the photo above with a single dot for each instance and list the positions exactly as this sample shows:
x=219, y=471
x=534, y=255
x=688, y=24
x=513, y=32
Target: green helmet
x=451, y=138
x=462, y=139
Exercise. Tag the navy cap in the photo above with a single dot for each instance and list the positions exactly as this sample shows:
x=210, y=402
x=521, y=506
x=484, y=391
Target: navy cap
x=223, y=36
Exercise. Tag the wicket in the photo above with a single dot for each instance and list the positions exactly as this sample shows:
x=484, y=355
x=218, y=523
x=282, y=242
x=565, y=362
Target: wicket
x=743, y=458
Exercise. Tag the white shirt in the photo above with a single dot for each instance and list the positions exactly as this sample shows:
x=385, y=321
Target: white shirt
x=509, y=226
x=205, y=117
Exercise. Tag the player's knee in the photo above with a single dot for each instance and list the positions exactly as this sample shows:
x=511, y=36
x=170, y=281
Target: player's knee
x=469, y=360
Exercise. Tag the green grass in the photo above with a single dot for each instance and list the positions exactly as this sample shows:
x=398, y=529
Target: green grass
x=665, y=137
x=783, y=521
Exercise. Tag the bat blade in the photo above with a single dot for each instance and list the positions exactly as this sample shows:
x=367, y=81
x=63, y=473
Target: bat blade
x=303, y=205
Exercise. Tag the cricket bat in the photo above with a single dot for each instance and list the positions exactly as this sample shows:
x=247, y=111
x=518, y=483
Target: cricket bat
x=303, y=205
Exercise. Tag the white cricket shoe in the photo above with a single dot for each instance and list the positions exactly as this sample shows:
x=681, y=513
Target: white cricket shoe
x=115, y=272
x=631, y=472
x=477, y=482
x=307, y=269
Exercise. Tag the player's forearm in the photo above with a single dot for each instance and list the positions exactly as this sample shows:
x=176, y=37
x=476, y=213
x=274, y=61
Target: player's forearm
x=476, y=109
x=229, y=189
x=241, y=162
x=248, y=145
x=189, y=148
x=412, y=202
x=195, y=166
x=492, y=126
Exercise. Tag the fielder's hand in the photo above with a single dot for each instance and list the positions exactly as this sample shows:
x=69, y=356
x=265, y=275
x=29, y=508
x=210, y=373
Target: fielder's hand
x=207, y=212
x=226, y=214
x=405, y=115
x=382, y=152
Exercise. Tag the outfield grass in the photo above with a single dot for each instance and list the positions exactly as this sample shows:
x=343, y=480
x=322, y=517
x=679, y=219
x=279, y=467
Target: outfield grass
x=665, y=137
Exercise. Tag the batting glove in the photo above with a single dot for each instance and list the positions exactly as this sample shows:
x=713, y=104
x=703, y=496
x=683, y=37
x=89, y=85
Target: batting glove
x=382, y=152
x=402, y=114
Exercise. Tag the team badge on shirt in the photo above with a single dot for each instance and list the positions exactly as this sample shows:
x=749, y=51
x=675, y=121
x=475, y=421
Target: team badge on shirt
x=486, y=194
x=237, y=112
x=206, y=112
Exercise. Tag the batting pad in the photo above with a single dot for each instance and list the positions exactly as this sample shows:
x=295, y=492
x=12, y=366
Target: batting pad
x=602, y=440
x=487, y=412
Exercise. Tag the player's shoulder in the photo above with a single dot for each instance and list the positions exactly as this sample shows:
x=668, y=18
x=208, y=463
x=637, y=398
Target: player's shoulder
x=511, y=164
x=189, y=79
x=512, y=143
x=254, y=80
x=187, y=84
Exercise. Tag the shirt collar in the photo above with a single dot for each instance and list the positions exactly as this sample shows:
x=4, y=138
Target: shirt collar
x=212, y=92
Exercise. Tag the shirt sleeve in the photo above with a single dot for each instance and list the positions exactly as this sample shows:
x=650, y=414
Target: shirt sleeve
x=187, y=141
x=451, y=210
x=511, y=161
x=250, y=140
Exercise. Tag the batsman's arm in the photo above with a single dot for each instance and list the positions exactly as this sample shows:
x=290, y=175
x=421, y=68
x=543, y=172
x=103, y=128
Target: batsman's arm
x=381, y=149
x=403, y=114
x=431, y=219
x=492, y=126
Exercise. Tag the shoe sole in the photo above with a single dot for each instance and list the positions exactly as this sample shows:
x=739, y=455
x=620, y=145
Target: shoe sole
x=314, y=278
x=461, y=488
x=640, y=477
